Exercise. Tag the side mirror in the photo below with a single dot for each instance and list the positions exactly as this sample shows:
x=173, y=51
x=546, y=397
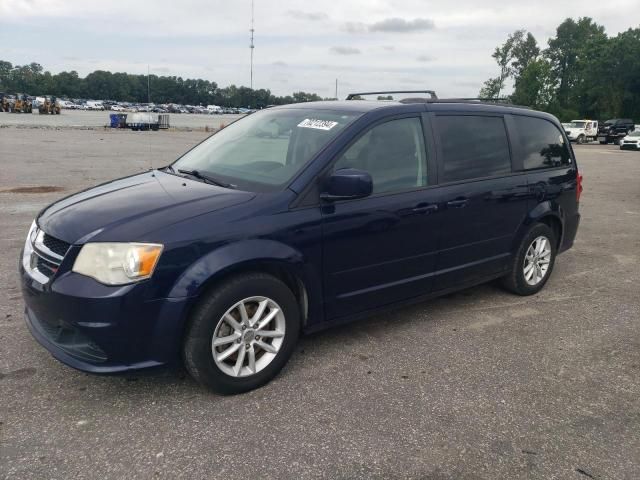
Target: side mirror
x=347, y=183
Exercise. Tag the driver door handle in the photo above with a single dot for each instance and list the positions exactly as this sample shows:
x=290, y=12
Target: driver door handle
x=458, y=203
x=422, y=208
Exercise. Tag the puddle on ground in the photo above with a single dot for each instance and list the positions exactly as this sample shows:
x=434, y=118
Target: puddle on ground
x=39, y=189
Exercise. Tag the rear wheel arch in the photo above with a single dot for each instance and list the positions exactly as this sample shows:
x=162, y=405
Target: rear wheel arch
x=555, y=224
x=543, y=213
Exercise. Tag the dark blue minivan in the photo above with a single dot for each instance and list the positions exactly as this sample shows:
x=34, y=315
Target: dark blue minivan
x=294, y=219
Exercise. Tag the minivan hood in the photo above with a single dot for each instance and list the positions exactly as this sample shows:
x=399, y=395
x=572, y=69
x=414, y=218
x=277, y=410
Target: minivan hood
x=128, y=208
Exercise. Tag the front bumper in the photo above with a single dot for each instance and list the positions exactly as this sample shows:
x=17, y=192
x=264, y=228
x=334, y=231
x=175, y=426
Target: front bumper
x=630, y=146
x=102, y=329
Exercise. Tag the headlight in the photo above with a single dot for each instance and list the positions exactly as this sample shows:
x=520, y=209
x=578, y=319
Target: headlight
x=118, y=263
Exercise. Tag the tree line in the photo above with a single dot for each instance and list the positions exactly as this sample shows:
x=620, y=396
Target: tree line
x=125, y=87
x=583, y=73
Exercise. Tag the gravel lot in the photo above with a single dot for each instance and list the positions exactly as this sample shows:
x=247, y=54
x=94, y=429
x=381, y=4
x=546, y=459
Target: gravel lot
x=477, y=385
x=93, y=119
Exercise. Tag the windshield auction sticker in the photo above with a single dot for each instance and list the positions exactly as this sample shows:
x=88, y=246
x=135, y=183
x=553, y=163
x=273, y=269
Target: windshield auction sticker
x=317, y=124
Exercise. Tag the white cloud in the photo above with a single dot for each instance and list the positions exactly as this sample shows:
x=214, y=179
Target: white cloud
x=368, y=44
x=312, y=16
x=400, y=25
x=345, y=50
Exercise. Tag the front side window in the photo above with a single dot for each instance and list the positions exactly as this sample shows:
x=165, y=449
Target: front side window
x=541, y=143
x=265, y=150
x=473, y=146
x=393, y=153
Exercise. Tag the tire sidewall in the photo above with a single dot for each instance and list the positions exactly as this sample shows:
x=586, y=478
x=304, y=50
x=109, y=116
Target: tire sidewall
x=197, y=351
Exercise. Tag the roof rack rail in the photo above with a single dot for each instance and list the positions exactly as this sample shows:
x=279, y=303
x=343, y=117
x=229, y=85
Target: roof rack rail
x=353, y=96
x=505, y=101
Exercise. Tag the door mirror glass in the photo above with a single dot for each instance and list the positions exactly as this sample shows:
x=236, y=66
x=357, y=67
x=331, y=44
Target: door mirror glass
x=347, y=183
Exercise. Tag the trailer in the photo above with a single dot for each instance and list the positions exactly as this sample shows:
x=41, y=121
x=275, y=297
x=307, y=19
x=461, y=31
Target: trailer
x=147, y=121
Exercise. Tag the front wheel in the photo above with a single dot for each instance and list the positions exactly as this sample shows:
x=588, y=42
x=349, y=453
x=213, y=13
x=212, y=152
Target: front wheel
x=580, y=139
x=242, y=333
x=533, y=262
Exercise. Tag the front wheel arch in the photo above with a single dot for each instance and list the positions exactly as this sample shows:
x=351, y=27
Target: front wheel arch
x=276, y=269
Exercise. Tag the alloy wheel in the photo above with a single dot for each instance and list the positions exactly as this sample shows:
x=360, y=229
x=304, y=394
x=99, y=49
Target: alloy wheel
x=537, y=260
x=248, y=336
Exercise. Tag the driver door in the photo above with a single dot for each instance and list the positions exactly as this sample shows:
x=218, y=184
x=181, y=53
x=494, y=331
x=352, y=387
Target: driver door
x=382, y=249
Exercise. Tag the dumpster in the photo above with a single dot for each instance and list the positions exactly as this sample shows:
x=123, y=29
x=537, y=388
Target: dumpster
x=118, y=120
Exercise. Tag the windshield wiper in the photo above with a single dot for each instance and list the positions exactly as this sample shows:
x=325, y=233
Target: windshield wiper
x=206, y=178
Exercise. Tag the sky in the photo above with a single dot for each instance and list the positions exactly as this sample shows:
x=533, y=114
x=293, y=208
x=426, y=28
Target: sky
x=299, y=45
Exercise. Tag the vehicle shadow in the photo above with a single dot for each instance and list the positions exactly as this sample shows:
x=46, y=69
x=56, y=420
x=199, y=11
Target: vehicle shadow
x=347, y=339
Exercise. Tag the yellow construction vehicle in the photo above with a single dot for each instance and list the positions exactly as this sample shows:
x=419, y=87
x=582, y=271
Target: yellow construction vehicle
x=19, y=103
x=49, y=106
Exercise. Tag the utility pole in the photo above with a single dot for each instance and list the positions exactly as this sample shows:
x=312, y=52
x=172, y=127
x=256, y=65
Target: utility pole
x=251, y=46
x=336, y=89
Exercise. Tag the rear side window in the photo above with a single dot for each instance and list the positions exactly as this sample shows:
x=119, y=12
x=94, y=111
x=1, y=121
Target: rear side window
x=473, y=146
x=541, y=143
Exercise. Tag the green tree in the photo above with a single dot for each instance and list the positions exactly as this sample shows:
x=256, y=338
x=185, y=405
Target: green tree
x=512, y=57
x=534, y=86
x=567, y=52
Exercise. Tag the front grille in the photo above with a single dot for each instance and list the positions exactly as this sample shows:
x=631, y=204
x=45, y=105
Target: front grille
x=56, y=246
x=47, y=268
x=72, y=341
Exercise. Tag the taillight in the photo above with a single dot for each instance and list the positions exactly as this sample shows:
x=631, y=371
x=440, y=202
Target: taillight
x=579, y=187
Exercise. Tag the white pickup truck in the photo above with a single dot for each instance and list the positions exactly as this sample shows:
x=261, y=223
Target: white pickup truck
x=581, y=131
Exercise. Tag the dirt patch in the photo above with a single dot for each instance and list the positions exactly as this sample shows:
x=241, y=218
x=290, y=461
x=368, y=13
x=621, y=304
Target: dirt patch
x=39, y=189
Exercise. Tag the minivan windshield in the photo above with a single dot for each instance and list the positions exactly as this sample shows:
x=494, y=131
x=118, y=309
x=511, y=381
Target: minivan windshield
x=263, y=151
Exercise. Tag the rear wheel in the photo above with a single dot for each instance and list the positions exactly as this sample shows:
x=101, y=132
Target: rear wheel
x=242, y=333
x=533, y=262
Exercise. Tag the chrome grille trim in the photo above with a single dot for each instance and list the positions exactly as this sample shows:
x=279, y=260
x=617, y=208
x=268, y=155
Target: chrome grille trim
x=42, y=248
x=35, y=251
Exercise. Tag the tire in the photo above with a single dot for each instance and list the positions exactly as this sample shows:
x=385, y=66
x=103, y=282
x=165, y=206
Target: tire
x=603, y=143
x=210, y=321
x=516, y=281
x=580, y=139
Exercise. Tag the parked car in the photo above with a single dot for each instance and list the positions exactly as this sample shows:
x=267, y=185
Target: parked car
x=631, y=141
x=614, y=130
x=93, y=105
x=117, y=108
x=223, y=257
x=581, y=131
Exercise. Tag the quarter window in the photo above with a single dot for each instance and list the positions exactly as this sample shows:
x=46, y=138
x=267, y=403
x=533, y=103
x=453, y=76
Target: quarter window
x=473, y=146
x=393, y=153
x=541, y=143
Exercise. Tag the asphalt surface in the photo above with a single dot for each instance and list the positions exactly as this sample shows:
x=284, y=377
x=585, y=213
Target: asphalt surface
x=477, y=385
